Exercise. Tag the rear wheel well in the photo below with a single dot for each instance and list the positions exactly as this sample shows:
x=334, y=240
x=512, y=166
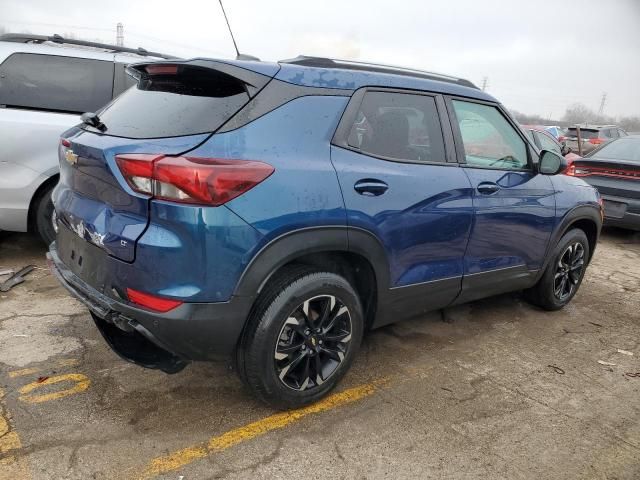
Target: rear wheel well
x=355, y=268
x=35, y=200
x=590, y=229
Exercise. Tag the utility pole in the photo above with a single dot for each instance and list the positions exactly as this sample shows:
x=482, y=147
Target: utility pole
x=604, y=99
x=484, y=83
x=119, y=35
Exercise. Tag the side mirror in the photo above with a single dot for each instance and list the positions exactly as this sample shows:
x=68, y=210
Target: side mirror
x=551, y=163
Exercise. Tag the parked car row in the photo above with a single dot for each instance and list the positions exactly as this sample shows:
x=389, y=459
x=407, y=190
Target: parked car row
x=590, y=137
x=611, y=163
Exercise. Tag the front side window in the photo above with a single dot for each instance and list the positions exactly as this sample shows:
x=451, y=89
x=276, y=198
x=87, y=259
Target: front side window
x=490, y=141
x=398, y=126
x=55, y=83
x=547, y=143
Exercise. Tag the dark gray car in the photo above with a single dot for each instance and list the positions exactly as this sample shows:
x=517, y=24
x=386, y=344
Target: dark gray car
x=614, y=169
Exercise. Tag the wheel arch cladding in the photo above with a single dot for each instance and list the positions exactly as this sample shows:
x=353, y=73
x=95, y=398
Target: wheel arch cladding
x=353, y=254
x=586, y=218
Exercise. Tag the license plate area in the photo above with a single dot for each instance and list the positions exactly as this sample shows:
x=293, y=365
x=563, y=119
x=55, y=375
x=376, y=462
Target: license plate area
x=614, y=209
x=81, y=257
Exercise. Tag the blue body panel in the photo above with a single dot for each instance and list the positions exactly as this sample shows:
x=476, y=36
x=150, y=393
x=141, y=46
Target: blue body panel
x=512, y=227
x=303, y=191
x=423, y=220
x=93, y=198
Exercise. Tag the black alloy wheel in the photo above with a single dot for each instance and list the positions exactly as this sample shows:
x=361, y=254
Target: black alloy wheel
x=313, y=342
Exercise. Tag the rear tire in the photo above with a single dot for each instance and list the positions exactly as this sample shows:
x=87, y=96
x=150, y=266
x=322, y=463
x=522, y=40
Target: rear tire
x=44, y=216
x=301, y=338
x=564, y=273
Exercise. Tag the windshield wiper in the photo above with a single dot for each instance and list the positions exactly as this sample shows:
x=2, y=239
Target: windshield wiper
x=93, y=120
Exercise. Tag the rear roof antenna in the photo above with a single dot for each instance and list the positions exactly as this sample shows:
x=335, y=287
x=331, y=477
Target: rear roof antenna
x=239, y=56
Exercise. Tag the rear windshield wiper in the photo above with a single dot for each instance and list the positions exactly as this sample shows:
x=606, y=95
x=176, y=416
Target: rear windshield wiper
x=93, y=120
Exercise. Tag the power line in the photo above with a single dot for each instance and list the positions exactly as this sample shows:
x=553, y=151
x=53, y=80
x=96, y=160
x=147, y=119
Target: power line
x=120, y=35
x=604, y=99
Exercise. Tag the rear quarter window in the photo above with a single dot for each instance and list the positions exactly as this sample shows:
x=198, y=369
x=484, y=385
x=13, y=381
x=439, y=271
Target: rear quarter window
x=55, y=83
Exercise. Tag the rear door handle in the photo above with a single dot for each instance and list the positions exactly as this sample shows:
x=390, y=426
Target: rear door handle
x=488, y=188
x=370, y=187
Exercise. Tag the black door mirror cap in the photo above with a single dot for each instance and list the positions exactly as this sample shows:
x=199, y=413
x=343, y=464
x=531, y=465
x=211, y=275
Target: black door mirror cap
x=551, y=163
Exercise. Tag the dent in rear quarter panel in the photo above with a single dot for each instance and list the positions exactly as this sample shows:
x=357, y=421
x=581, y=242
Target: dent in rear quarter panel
x=295, y=139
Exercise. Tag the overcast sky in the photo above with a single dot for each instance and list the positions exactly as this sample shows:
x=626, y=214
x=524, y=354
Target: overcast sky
x=539, y=56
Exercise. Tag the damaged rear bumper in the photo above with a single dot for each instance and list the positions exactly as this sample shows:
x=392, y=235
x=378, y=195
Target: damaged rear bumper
x=166, y=341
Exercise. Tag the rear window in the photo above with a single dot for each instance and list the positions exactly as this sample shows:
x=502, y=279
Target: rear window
x=184, y=101
x=398, y=126
x=55, y=83
x=584, y=133
x=627, y=149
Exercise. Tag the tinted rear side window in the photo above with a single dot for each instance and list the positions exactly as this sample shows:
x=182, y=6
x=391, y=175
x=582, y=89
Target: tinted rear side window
x=189, y=101
x=56, y=83
x=398, y=126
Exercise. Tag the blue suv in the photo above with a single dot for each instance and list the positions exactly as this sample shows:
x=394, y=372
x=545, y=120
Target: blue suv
x=271, y=213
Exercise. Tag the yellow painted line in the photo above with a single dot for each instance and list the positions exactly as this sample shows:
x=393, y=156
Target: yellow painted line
x=180, y=458
x=11, y=467
x=67, y=362
x=81, y=383
x=23, y=372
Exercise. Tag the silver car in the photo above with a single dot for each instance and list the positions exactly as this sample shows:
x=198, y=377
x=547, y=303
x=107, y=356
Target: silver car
x=45, y=84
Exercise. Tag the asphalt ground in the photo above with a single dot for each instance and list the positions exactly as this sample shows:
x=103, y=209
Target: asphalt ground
x=496, y=389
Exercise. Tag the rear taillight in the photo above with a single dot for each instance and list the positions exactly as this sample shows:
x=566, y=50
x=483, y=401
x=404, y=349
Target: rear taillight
x=571, y=168
x=157, y=304
x=596, y=141
x=574, y=170
x=65, y=143
x=195, y=180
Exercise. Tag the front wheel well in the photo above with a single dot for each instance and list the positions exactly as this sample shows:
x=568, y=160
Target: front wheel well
x=590, y=229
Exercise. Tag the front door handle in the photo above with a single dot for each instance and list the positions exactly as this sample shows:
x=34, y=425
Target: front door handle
x=488, y=188
x=370, y=187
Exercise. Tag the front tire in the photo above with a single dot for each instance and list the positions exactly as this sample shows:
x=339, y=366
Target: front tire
x=564, y=273
x=301, y=338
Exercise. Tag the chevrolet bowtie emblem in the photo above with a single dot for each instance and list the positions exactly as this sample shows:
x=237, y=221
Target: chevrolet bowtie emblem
x=71, y=157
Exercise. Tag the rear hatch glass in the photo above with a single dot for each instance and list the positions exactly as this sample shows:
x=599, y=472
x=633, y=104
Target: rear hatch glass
x=175, y=100
x=585, y=134
x=172, y=109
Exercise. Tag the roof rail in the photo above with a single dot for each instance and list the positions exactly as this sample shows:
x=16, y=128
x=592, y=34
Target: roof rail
x=29, y=38
x=324, y=62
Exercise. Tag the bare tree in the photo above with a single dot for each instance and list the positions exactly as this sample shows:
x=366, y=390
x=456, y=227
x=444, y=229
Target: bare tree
x=580, y=113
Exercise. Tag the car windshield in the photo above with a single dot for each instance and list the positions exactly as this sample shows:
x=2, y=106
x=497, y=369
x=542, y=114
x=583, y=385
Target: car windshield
x=622, y=149
x=584, y=133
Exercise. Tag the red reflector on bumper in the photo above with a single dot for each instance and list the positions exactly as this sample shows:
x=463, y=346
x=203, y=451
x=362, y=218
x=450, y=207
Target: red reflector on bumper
x=152, y=302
